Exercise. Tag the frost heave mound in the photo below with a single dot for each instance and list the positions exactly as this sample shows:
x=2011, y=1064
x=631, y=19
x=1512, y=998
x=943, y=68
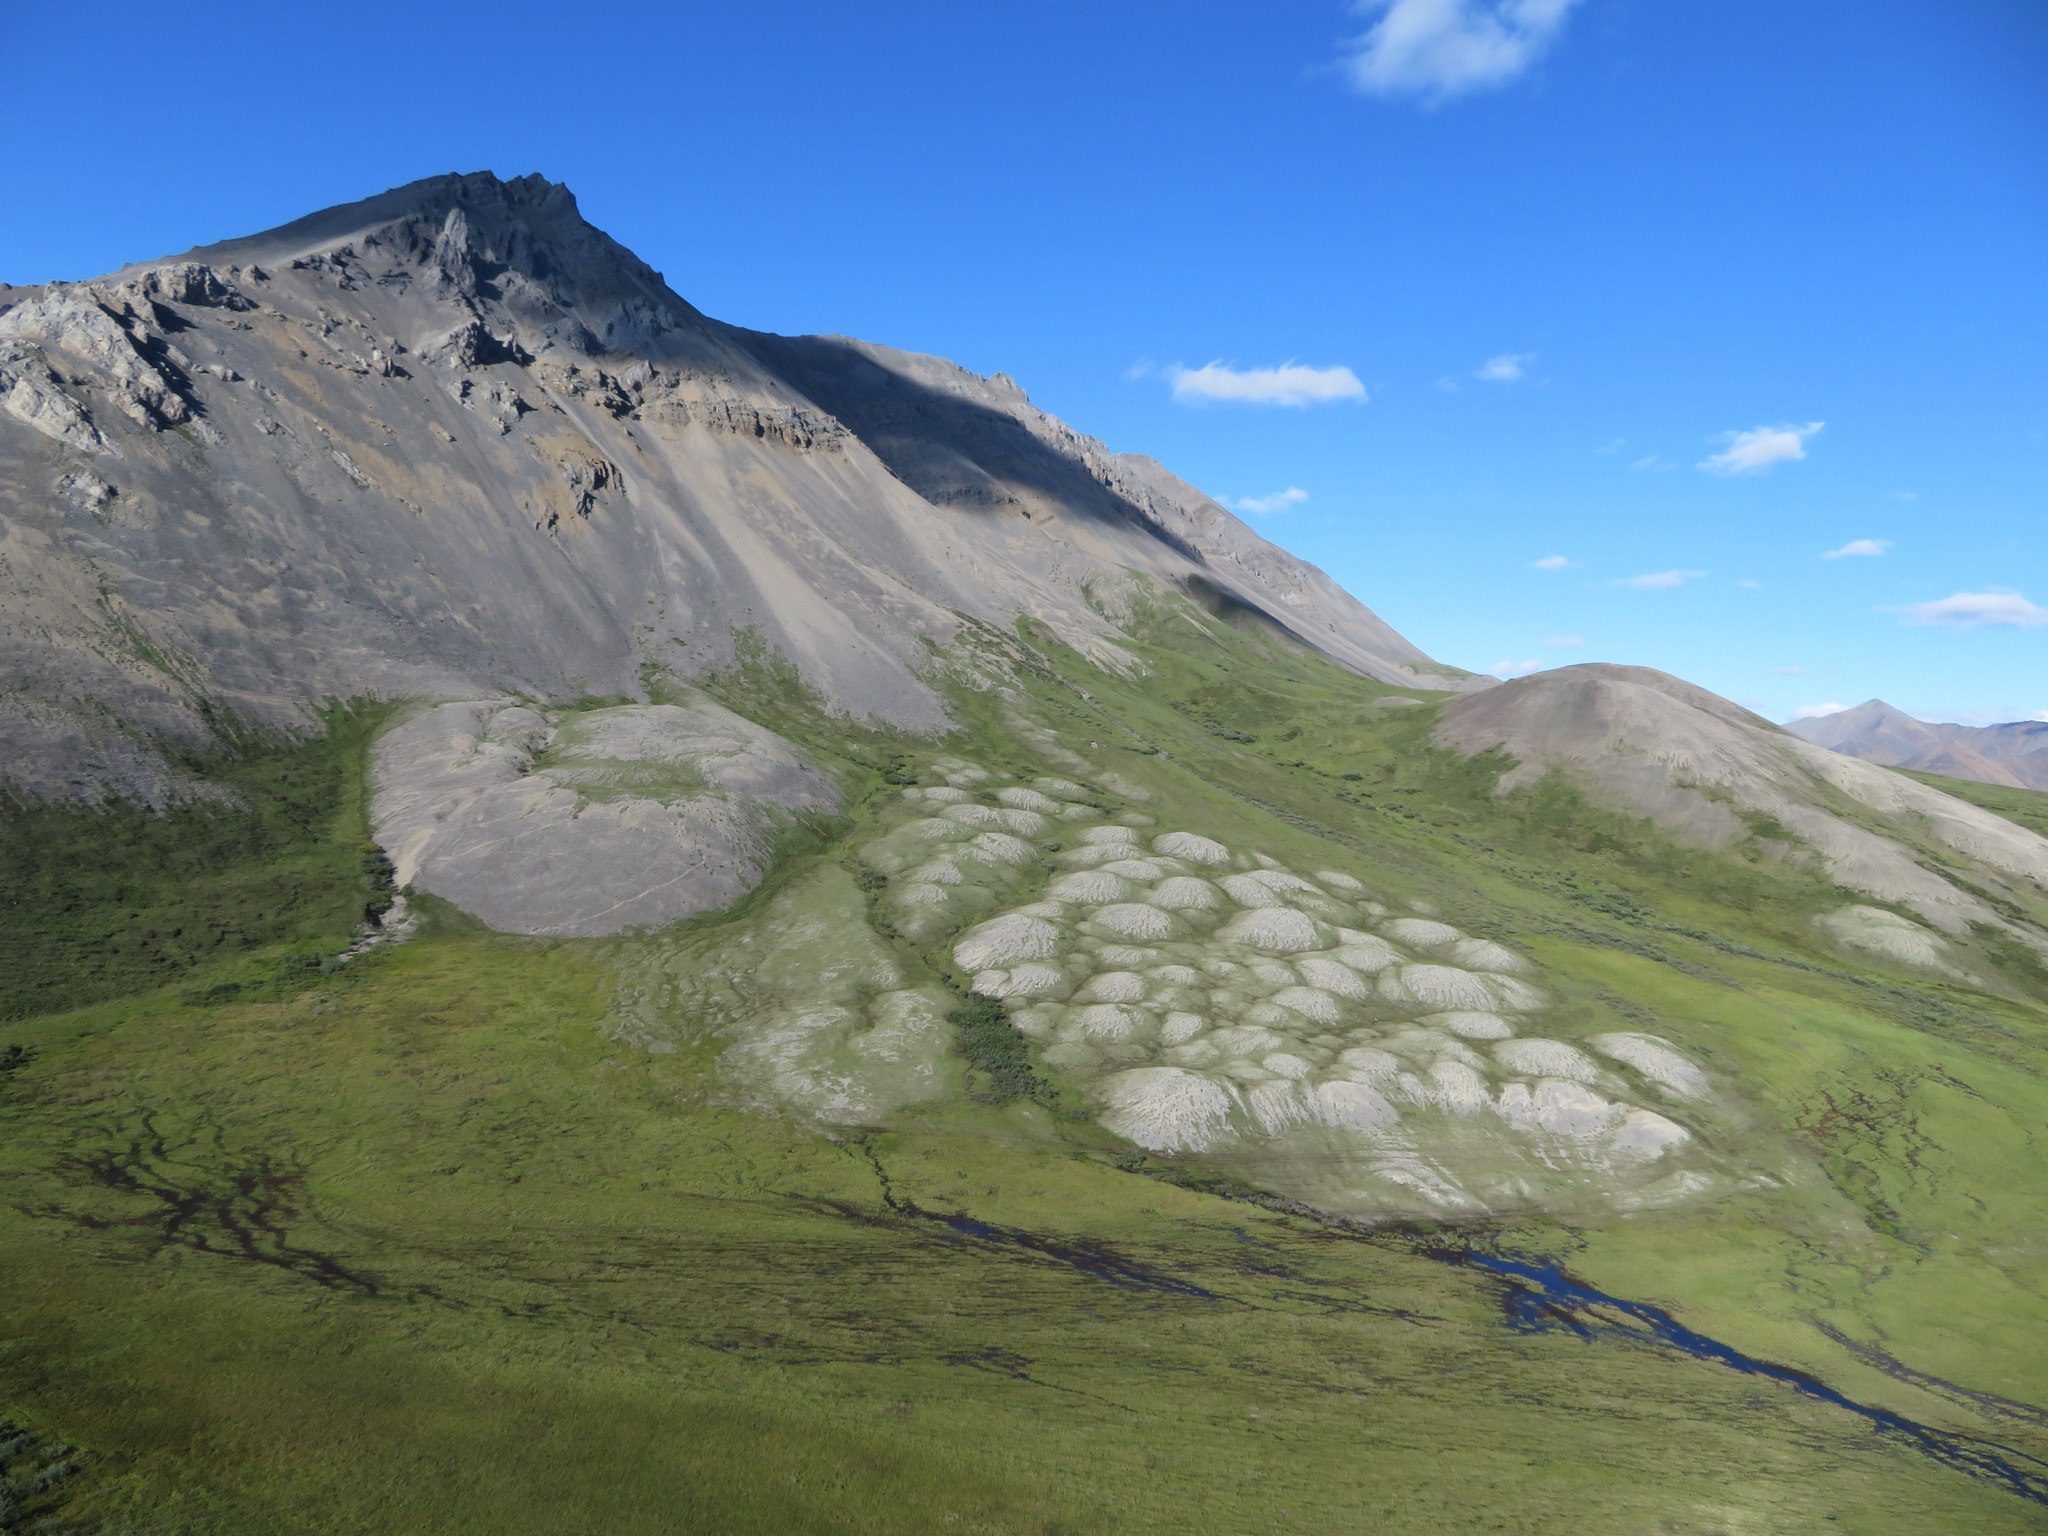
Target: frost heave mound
x=1245, y=1013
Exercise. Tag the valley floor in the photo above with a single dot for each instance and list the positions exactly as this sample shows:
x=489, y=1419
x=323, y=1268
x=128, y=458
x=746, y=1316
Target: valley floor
x=422, y=1251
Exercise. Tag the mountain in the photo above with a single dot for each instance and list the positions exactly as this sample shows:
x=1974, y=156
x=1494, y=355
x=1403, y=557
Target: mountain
x=613, y=923
x=454, y=441
x=2013, y=755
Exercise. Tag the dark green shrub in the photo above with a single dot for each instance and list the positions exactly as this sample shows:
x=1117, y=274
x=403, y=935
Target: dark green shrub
x=984, y=1035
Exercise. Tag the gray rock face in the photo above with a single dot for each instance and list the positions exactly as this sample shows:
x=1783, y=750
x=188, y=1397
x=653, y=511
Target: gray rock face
x=453, y=442
x=588, y=822
x=2015, y=755
x=1645, y=742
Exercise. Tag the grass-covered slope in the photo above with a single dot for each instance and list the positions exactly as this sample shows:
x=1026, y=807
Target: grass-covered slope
x=102, y=900
x=480, y=1233
x=2026, y=807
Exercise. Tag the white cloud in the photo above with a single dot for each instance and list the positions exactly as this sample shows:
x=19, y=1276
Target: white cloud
x=1657, y=581
x=1750, y=584
x=1436, y=49
x=1971, y=610
x=1871, y=547
x=2039, y=714
x=1551, y=563
x=1507, y=368
x=1754, y=451
x=1267, y=506
x=1561, y=642
x=1510, y=669
x=1788, y=671
x=1648, y=461
x=1815, y=711
x=1289, y=384
x=1905, y=495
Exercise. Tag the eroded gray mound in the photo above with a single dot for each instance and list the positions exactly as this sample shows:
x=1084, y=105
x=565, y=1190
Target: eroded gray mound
x=581, y=823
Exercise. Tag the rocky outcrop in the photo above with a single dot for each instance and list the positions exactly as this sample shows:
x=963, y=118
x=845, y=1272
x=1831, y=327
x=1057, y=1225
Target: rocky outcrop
x=455, y=442
x=74, y=341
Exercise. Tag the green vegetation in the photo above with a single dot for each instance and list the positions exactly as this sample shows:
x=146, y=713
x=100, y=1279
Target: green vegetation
x=492, y=1234
x=990, y=1043
x=424, y=1250
x=2027, y=807
x=99, y=901
x=30, y=1470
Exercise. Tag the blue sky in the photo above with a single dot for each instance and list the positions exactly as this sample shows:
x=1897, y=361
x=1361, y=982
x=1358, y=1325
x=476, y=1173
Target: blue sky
x=1557, y=330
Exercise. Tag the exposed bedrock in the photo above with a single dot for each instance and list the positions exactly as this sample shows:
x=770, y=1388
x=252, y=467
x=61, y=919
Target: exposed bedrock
x=453, y=442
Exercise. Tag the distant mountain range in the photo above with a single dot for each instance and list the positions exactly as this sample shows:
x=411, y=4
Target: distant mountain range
x=2015, y=755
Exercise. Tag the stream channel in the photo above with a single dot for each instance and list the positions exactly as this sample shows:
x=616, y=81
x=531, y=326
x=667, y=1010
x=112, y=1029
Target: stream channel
x=1539, y=1296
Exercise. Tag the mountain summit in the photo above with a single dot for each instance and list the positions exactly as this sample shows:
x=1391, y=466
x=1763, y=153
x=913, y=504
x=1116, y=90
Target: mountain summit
x=454, y=440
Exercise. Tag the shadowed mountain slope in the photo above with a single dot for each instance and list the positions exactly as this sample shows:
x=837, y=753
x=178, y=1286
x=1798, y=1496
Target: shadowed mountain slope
x=453, y=441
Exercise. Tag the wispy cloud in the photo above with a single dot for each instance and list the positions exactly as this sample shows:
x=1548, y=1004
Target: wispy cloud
x=1815, y=711
x=1437, y=49
x=1291, y=384
x=1657, y=581
x=1277, y=502
x=1973, y=610
x=1754, y=451
x=1788, y=671
x=1552, y=563
x=1507, y=368
x=1750, y=584
x=1561, y=642
x=1870, y=547
x=1905, y=495
x=1508, y=669
x=1648, y=461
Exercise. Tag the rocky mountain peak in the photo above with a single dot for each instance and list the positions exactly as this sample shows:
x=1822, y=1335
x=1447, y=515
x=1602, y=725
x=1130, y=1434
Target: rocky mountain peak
x=454, y=442
x=518, y=253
